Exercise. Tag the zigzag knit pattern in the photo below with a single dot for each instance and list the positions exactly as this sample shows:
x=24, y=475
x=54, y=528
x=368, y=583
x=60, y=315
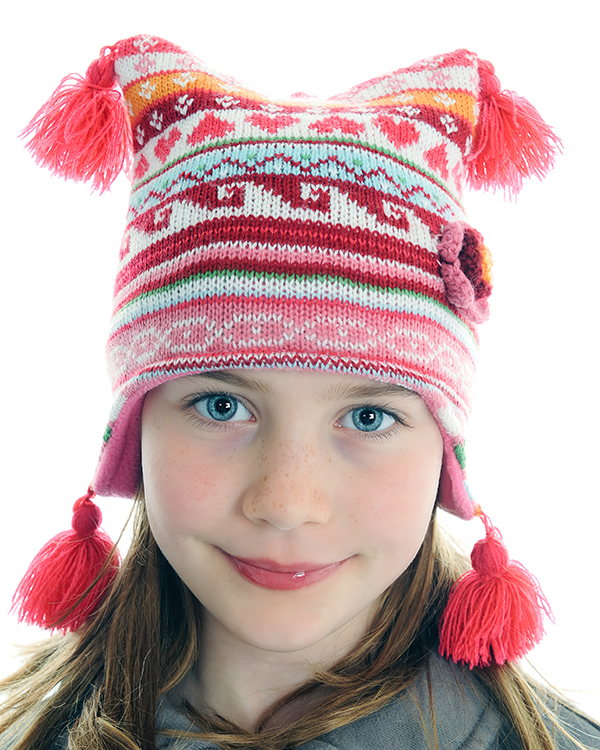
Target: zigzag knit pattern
x=298, y=233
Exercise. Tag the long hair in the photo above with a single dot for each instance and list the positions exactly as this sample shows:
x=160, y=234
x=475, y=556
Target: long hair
x=103, y=682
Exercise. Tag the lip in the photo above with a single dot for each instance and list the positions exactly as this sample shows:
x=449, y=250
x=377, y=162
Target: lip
x=271, y=575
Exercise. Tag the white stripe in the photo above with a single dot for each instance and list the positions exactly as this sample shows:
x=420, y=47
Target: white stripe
x=148, y=64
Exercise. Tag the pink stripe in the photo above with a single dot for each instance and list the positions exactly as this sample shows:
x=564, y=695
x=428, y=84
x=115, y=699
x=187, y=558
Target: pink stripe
x=335, y=263
x=402, y=342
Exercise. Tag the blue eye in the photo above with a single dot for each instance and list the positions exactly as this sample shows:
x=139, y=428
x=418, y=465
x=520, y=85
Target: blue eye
x=367, y=419
x=222, y=408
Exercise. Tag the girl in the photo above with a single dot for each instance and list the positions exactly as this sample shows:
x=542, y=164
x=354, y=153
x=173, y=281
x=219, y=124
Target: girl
x=292, y=354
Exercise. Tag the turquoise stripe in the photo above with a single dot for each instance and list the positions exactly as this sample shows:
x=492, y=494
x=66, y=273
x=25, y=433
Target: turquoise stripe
x=239, y=283
x=352, y=164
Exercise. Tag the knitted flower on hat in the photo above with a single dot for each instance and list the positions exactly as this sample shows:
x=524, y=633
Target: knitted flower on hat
x=301, y=233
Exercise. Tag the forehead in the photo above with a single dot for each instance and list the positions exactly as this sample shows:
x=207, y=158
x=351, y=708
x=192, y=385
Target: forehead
x=327, y=386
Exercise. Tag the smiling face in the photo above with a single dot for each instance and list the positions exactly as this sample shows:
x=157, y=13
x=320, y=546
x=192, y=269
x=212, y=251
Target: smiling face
x=288, y=501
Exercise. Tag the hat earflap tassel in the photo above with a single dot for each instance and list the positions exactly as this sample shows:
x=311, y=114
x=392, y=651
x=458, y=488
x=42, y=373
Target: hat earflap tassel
x=495, y=611
x=59, y=591
x=512, y=141
x=83, y=131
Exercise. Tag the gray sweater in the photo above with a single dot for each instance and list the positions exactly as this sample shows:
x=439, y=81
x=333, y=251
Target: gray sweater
x=465, y=718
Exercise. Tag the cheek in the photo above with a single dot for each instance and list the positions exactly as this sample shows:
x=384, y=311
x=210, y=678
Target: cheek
x=394, y=500
x=399, y=515
x=184, y=489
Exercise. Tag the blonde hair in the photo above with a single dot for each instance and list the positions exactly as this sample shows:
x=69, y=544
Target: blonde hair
x=104, y=680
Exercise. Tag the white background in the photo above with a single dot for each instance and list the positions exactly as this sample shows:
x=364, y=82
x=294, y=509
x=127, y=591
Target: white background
x=533, y=444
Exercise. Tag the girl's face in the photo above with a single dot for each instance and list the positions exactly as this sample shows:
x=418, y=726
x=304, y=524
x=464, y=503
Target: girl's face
x=288, y=501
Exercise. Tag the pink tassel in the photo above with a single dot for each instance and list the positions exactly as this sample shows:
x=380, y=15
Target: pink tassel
x=512, y=141
x=495, y=611
x=83, y=131
x=52, y=593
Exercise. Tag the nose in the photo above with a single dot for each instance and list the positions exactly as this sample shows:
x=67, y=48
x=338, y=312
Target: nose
x=289, y=487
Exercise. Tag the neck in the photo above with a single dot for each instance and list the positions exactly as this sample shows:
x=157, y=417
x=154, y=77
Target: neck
x=243, y=683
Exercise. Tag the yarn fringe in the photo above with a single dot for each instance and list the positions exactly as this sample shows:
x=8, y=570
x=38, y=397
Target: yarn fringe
x=70, y=576
x=512, y=141
x=495, y=611
x=83, y=131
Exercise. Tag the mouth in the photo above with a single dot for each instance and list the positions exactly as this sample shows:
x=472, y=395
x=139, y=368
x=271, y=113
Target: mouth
x=270, y=575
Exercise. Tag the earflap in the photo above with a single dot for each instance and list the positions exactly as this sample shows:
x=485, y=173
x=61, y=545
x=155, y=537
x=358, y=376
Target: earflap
x=453, y=491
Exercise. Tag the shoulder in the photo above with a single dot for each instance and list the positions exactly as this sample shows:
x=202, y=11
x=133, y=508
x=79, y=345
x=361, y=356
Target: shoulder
x=583, y=729
x=444, y=706
x=447, y=706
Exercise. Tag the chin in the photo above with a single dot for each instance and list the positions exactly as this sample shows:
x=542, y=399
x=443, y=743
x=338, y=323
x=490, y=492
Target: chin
x=289, y=629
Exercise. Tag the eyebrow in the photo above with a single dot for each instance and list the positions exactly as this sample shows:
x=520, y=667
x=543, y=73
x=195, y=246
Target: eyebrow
x=338, y=392
x=370, y=389
x=241, y=381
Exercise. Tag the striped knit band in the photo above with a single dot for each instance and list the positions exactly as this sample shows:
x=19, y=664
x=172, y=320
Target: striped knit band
x=313, y=234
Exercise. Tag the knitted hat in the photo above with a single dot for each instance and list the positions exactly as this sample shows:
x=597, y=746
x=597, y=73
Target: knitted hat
x=301, y=233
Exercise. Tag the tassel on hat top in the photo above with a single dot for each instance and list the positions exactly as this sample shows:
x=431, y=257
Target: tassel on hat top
x=306, y=233
x=82, y=132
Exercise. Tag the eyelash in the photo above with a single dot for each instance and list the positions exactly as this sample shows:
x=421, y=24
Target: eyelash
x=388, y=434
x=189, y=403
x=194, y=415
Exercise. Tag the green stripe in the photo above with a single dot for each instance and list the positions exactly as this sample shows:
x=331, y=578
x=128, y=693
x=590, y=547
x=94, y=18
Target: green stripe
x=459, y=452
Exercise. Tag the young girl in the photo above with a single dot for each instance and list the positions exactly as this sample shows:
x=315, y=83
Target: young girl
x=292, y=353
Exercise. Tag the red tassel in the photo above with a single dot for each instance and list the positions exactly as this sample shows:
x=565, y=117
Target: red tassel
x=512, y=141
x=52, y=593
x=495, y=611
x=83, y=131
